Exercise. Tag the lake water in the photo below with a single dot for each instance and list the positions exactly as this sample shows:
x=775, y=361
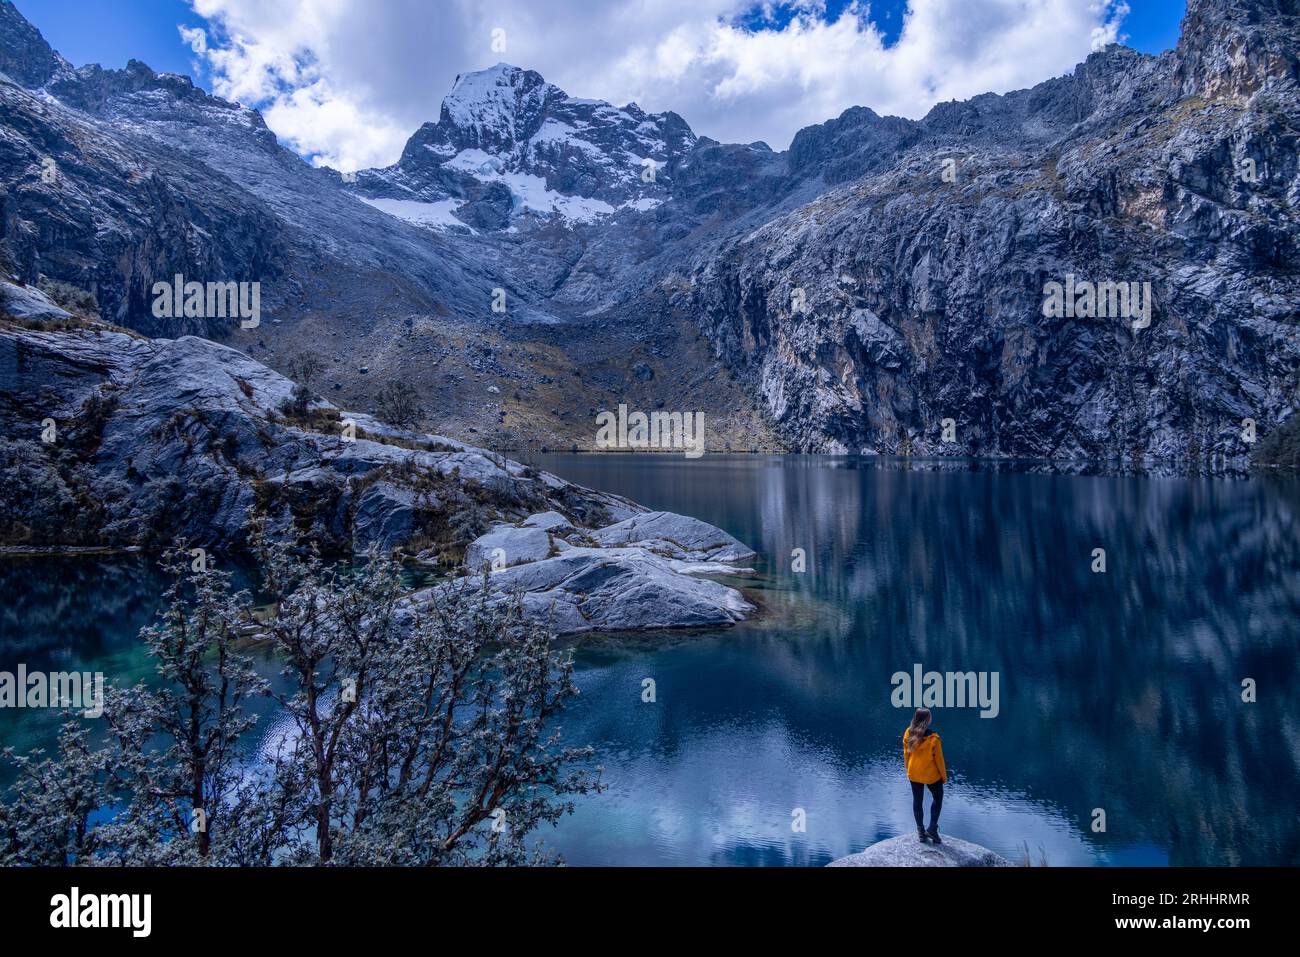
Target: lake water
x=1119, y=691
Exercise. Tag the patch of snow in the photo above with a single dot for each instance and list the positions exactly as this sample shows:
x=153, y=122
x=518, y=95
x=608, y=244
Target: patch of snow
x=477, y=163
x=605, y=111
x=435, y=215
x=643, y=204
x=531, y=193
x=553, y=131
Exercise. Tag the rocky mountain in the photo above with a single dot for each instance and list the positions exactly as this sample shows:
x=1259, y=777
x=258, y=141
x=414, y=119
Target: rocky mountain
x=883, y=285
x=24, y=54
x=906, y=297
x=508, y=145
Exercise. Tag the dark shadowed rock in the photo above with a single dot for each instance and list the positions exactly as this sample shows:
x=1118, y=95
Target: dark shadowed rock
x=24, y=54
x=385, y=517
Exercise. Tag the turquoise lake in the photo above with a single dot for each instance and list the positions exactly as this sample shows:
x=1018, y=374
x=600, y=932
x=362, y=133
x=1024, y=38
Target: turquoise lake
x=1119, y=691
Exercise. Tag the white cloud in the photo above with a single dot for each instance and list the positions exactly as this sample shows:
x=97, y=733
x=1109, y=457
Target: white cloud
x=347, y=81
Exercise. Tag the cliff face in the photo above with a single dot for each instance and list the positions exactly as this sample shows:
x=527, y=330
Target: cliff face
x=907, y=297
x=1234, y=49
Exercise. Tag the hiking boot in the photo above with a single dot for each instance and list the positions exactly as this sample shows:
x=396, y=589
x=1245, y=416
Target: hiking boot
x=933, y=834
x=921, y=835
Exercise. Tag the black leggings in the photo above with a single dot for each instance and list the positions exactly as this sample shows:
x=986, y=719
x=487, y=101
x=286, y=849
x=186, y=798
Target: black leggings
x=918, y=791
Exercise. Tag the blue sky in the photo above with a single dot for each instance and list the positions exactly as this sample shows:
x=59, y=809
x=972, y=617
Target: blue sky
x=1152, y=25
x=346, y=82
x=110, y=33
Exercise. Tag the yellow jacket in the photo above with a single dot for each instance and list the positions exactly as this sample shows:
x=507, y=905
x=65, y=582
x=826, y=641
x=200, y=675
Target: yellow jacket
x=925, y=764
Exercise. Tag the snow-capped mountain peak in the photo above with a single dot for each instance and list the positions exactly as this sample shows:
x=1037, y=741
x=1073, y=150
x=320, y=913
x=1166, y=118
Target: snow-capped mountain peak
x=493, y=109
x=509, y=146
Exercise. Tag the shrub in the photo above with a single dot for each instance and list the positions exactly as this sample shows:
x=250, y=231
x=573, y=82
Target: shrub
x=398, y=405
x=78, y=301
x=415, y=738
x=298, y=405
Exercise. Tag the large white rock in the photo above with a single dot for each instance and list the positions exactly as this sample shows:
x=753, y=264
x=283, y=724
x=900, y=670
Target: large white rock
x=617, y=589
x=517, y=545
x=28, y=302
x=907, y=851
x=675, y=536
x=551, y=521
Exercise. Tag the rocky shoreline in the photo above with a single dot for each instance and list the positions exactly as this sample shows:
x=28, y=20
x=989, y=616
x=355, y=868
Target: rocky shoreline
x=647, y=572
x=114, y=441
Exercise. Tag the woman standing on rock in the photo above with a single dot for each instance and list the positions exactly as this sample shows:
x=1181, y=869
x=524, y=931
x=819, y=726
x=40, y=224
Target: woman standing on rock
x=923, y=756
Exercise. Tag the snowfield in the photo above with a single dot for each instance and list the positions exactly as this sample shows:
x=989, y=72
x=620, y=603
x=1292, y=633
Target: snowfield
x=437, y=215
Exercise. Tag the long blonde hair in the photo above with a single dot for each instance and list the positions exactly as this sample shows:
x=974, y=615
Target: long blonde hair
x=916, y=730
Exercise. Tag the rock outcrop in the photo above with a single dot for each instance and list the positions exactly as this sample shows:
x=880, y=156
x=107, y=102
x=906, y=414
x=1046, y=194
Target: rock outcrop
x=29, y=303
x=584, y=589
x=506, y=545
x=112, y=439
x=675, y=536
x=645, y=572
x=907, y=851
x=187, y=438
